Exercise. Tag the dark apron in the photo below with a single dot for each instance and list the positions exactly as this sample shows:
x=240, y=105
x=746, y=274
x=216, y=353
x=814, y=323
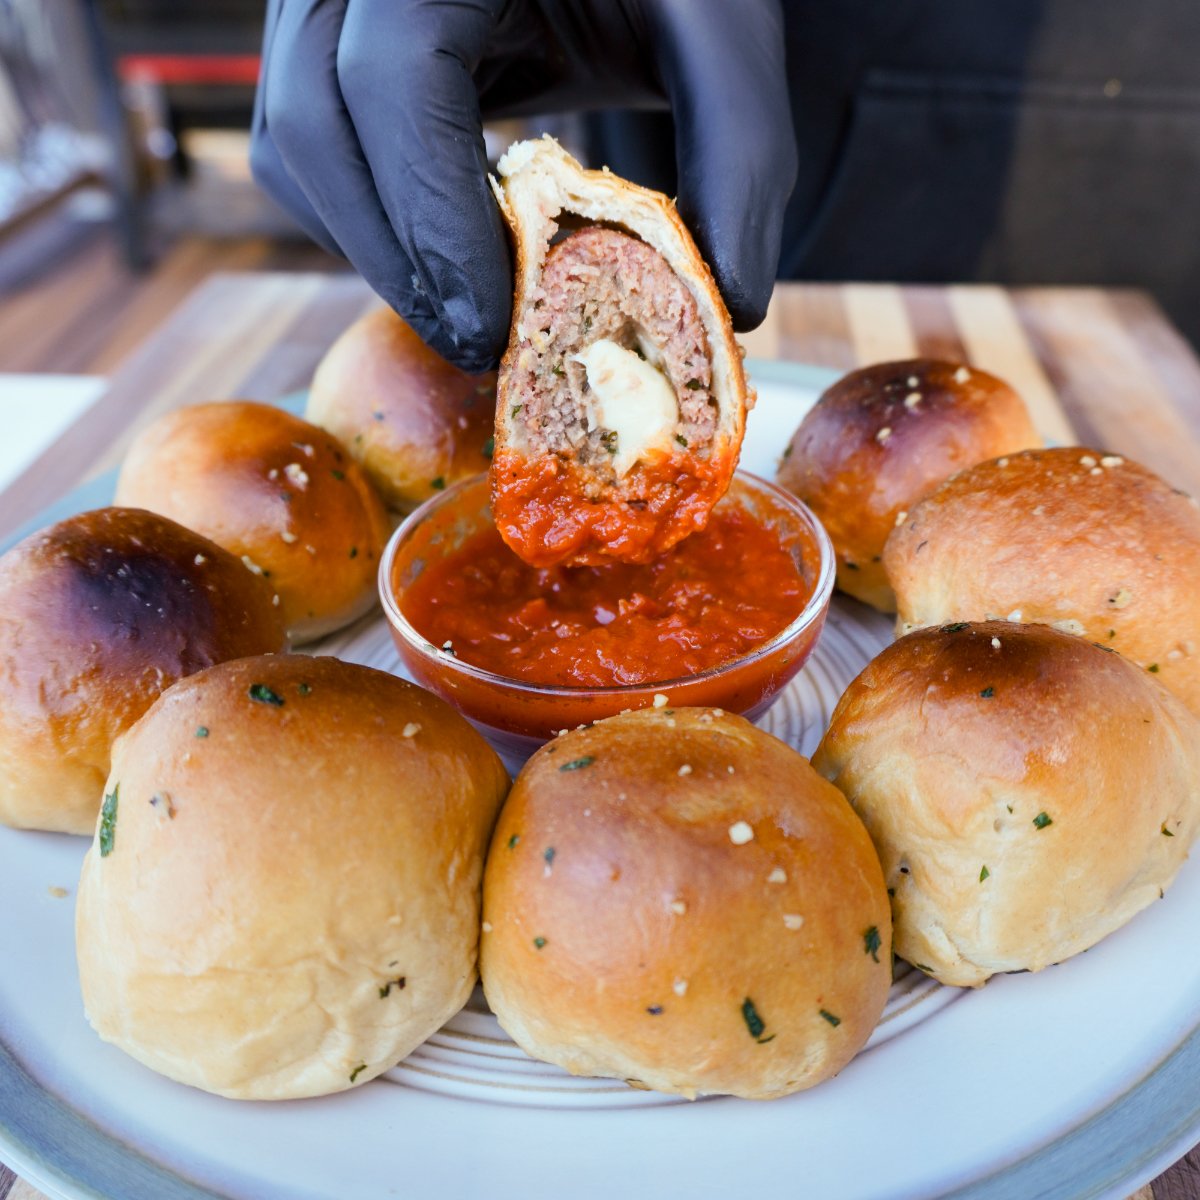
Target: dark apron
x=1008, y=141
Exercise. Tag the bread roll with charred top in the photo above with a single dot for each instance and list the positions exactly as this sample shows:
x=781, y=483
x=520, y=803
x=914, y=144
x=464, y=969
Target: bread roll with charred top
x=621, y=398
x=1080, y=539
x=676, y=898
x=101, y=613
x=274, y=490
x=415, y=423
x=884, y=436
x=282, y=899
x=1028, y=792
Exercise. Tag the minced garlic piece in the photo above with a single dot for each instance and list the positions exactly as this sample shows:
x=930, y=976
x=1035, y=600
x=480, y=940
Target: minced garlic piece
x=740, y=832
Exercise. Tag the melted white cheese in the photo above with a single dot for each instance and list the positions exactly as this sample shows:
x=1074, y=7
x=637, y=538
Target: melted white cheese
x=630, y=398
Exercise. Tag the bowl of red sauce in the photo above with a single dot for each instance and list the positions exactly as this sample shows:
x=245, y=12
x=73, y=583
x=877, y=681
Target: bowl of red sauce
x=725, y=619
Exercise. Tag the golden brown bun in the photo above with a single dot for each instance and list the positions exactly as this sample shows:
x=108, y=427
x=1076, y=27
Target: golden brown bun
x=101, y=612
x=884, y=436
x=290, y=899
x=414, y=422
x=628, y=933
x=275, y=490
x=1028, y=793
x=1089, y=542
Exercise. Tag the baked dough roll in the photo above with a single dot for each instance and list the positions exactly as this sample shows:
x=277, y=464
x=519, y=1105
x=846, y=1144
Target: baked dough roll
x=621, y=399
x=101, y=613
x=884, y=436
x=1089, y=542
x=1028, y=793
x=277, y=492
x=282, y=898
x=676, y=898
x=415, y=423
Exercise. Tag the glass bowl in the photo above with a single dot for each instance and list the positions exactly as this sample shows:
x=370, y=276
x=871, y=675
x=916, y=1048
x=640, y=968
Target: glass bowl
x=516, y=715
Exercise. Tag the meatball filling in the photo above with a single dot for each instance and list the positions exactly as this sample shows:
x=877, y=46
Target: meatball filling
x=609, y=408
x=605, y=297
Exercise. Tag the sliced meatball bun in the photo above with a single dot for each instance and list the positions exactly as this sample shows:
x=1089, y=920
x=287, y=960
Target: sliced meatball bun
x=621, y=399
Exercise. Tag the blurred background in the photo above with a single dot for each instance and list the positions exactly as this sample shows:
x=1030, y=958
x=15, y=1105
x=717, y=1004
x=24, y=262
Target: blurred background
x=124, y=178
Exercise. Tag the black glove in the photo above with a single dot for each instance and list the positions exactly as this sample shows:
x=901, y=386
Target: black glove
x=367, y=128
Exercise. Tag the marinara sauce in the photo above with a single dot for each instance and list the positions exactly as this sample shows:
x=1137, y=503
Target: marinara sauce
x=711, y=598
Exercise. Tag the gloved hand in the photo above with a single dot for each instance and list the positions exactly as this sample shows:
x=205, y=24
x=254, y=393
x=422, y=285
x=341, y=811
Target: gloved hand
x=367, y=128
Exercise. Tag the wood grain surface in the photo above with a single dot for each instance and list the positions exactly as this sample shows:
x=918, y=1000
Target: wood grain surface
x=1099, y=367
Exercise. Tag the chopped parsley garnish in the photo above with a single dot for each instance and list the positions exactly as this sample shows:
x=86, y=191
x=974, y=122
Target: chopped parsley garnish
x=539, y=942
x=587, y=324
x=1153, y=668
x=754, y=1022
x=399, y=984
x=549, y=855
x=681, y=440
x=337, y=474
x=264, y=695
x=872, y=942
x=437, y=484
x=787, y=453
x=1042, y=820
x=108, y=822
x=984, y=873
x=693, y=385
x=557, y=369
x=353, y=551
x=654, y=1009
x=834, y=1021
x=957, y=627
x=610, y=441
x=987, y=693
x=489, y=447
x=577, y=764
x=1165, y=831
x=304, y=689
x=357, y=1071
x=512, y=841
x=516, y=408
x=1112, y=633
x=202, y=731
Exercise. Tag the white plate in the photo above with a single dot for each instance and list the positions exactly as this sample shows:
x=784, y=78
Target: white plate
x=1081, y=1081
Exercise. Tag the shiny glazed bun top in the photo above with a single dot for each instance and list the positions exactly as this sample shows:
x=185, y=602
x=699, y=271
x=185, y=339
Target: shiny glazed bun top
x=414, y=422
x=884, y=436
x=1090, y=542
x=1028, y=792
x=274, y=490
x=676, y=898
x=100, y=613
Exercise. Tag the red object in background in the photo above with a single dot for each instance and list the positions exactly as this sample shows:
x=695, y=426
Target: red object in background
x=235, y=70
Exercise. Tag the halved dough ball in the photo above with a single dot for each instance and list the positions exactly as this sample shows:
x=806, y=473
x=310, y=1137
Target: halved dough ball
x=621, y=398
